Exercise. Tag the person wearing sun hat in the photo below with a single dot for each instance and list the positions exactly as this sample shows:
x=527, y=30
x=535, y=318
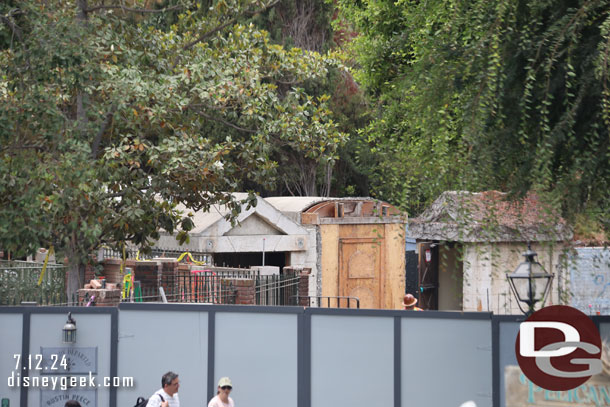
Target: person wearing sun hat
x=409, y=302
x=222, y=398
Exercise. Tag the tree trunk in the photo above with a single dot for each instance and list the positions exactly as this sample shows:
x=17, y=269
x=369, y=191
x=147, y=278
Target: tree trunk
x=75, y=277
x=308, y=178
x=81, y=97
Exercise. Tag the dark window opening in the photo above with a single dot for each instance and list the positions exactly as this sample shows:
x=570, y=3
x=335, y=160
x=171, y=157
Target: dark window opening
x=246, y=260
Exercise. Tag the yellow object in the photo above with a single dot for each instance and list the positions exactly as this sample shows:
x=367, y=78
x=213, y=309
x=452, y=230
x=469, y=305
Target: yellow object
x=190, y=256
x=44, y=266
x=127, y=284
x=185, y=254
x=123, y=262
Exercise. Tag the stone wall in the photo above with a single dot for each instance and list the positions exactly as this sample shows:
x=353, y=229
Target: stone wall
x=485, y=287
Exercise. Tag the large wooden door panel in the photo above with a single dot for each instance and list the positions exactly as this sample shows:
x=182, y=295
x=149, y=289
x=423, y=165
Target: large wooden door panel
x=360, y=270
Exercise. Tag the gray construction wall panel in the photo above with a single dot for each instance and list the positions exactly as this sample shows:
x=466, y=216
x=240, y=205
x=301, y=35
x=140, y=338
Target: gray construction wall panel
x=93, y=331
x=508, y=336
x=10, y=345
x=604, y=331
x=259, y=353
x=154, y=342
x=352, y=361
x=446, y=362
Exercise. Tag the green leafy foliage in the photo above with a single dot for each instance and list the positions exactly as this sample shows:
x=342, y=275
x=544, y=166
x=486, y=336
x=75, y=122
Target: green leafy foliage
x=111, y=115
x=485, y=95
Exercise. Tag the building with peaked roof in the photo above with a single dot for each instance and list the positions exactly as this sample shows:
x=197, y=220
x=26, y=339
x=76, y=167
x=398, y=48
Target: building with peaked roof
x=256, y=230
x=467, y=242
x=354, y=247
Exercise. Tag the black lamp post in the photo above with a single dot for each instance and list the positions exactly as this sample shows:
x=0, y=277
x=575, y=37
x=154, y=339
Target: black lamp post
x=529, y=282
x=69, y=330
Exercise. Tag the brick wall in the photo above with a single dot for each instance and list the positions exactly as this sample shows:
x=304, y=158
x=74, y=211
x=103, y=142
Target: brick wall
x=108, y=298
x=303, y=283
x=149, y=273
x=303, y=288
x=245, y=293
x=89, y=273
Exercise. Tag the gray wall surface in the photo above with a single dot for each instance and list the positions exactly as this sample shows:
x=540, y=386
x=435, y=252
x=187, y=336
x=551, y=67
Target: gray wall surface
x=278, y=356
x=93, y=330
x=352, y=361
x=259, y=353
x=10, y=345
x=507, y=336
x=445, y=362
x=154, y=342
x=604, y=331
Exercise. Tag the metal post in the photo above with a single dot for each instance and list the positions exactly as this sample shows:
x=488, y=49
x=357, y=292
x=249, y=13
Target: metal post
x=162, y=292
x=263, y=251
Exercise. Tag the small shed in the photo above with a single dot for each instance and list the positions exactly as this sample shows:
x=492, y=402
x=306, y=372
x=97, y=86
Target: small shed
x=354, y=247
x=360, y=247
x=467, y=242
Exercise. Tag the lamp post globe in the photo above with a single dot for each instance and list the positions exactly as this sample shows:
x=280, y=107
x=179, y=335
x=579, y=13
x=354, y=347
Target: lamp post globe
x=529, y=282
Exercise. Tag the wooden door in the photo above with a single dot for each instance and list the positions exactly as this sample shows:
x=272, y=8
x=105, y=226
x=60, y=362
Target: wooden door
x=360, y=270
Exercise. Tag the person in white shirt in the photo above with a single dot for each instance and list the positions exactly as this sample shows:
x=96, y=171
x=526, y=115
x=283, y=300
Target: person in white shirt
x=167, y=396
x=222, y=398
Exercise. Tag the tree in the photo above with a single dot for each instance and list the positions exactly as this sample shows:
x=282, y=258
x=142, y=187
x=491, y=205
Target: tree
x=113, y=113
x=307, y=24
x=486, y=95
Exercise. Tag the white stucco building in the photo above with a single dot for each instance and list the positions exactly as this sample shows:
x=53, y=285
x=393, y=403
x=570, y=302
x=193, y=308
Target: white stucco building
x=467, y=242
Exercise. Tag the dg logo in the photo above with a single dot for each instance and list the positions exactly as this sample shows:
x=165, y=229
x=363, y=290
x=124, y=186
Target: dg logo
x=558, y=348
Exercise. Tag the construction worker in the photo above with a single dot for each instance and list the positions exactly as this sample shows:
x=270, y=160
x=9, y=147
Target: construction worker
x=409, y=302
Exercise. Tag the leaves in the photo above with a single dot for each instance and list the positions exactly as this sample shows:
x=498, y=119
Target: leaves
x=126, y=114
x=484, y=95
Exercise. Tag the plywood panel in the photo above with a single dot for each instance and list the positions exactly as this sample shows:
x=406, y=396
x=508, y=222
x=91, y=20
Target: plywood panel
x=360, y=270
x=393, y=269
x=330, y=259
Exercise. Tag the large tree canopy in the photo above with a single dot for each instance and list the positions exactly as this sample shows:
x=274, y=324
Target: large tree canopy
x=508, y=95
x=111, y=115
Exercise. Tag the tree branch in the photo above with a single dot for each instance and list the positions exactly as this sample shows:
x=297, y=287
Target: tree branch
x=123, y=193
x=133, y=10
x=102, y=130
x=22, y=147
x=226, y=123
x=7, y=20
x=231, y=21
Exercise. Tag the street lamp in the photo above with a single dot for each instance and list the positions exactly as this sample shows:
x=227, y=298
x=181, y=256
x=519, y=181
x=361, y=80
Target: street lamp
x=529, y=282
x=69, y=330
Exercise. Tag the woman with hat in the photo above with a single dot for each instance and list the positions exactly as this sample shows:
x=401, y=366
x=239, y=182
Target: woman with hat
x=409, y=302
x=222, y=398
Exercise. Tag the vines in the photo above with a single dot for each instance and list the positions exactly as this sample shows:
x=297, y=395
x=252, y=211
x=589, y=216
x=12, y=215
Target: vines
x=523, y=84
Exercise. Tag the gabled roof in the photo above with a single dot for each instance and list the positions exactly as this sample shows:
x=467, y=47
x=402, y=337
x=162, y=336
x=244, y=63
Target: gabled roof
x=213, y=223
x=253, y=226
x=488, y=217
x=204, y=220
x=294, y=204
